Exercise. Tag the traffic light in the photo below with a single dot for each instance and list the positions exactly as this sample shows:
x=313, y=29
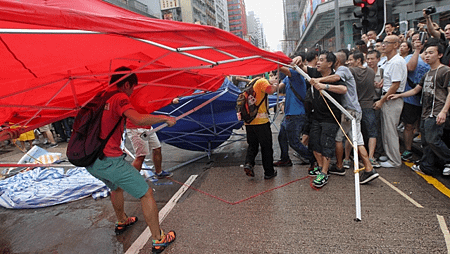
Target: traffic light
x=371, y=13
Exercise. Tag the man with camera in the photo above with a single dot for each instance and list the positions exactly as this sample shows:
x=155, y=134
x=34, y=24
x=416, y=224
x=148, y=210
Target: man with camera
x=445, y=37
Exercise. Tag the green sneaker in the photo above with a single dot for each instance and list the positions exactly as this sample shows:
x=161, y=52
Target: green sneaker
x=375, y=163
x=407, y=155
x=320, y=180
x=314, y=171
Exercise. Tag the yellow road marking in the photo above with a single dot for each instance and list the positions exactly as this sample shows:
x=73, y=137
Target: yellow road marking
x=433, y=181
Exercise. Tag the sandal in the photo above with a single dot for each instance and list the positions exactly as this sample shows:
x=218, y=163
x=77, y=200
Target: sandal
x=122, y=226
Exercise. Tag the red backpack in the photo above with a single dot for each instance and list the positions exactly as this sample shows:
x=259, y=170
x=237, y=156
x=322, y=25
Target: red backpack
x=85, y=144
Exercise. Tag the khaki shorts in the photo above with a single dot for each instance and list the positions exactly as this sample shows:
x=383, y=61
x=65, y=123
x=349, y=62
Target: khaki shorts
x=44, y=128
x=140, y=146
x=347, y=126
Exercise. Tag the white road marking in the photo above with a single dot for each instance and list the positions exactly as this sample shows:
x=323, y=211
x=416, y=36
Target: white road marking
x=145, y=236
x=401, y=192
x=444, y=230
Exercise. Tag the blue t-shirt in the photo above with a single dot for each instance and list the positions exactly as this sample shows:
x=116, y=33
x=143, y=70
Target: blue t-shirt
x=292, y=105
x=415, y=77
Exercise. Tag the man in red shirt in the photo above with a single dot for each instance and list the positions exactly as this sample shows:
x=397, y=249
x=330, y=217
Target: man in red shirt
x=118, y=174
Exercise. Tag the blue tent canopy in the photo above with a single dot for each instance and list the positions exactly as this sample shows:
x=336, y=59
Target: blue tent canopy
x=208, y=127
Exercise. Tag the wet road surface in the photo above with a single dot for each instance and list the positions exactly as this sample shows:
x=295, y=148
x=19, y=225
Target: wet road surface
x=228, y=212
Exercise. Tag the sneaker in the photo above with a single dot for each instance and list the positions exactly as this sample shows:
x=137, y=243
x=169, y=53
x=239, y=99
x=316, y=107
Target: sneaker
x=418, y=138
x=314, y=171
x=282, y=163
x=401, y=127
x=267, y=177
x=336, y=171
x=383, y=158
x=164, y=174
x=386, y=164
x=347, y=163
x=249, y=170
x=416, y=168
x=375, y=163
x=52, y=145
x=446, y=171
x=320, y=180
x=368, y=176
x=407, y=155
x=158, y=246
x=122, y=226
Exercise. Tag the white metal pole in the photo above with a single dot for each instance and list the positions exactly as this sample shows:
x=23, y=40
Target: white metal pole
x=355, y=145
x=356, y=167
x=189, y=112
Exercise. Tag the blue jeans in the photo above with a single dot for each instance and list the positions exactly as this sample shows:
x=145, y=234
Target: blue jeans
x=435, y=151
x=290, y=131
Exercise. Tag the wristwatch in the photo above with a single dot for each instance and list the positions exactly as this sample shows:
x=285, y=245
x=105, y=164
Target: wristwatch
x=327, y=87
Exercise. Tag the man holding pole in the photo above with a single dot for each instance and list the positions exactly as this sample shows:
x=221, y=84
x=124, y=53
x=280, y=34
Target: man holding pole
x=351, y=103
x=324, y=124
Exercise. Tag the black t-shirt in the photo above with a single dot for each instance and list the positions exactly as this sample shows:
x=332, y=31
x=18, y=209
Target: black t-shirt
x=446, y=57
x=321, y=112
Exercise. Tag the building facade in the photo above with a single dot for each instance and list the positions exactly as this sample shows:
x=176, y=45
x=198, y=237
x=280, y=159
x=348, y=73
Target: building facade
x=237, y=18
x=317, y=21
x=254, y=29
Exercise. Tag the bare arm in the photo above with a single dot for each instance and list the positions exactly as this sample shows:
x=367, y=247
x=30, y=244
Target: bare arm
x=328, y=79
x=442, y=116
x=411, y=92
x=148, y=119
x=271, y=89
x=412, y=63
x=339, y=89
x=395, y=85
x=242, y=79
x=285, y=71
x=430, y=28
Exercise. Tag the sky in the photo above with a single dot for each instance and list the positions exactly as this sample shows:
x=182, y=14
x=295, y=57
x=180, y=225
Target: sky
x=271, y=16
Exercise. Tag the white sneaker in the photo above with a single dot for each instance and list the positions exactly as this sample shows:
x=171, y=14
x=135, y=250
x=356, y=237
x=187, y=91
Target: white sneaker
x=386, y=164
x=418, y=139
x=446, y=171
x=416, y=167
x=383, y=158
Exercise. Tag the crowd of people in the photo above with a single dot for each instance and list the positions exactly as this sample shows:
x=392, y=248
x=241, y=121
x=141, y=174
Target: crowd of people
x=48, y=135
x=385, y=82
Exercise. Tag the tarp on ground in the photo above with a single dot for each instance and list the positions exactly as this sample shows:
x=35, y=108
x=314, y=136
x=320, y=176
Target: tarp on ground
x=57, y=54
x=42, y=187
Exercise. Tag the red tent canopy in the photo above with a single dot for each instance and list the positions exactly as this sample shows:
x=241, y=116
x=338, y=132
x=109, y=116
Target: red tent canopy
x=56, y=55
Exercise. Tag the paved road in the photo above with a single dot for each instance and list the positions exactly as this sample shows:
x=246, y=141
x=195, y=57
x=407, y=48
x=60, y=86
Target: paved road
x=228, y=212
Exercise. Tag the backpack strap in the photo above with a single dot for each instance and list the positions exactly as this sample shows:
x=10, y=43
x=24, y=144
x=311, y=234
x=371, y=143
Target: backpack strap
x=296, y=94
x=105, y=141
x=102, y=155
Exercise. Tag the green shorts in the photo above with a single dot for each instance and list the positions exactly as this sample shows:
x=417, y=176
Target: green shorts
x=116, y=172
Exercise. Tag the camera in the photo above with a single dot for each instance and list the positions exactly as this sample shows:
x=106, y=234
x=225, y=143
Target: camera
x=430, y=10
x=422, y=37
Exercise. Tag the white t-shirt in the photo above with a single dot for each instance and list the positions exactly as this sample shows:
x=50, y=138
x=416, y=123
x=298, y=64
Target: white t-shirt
x=394, y=71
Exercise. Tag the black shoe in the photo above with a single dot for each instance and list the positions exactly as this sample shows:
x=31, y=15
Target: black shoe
x=368, y=176
x=336, y=171
x=282, y=163
x=267, y=177
x=249, y=170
